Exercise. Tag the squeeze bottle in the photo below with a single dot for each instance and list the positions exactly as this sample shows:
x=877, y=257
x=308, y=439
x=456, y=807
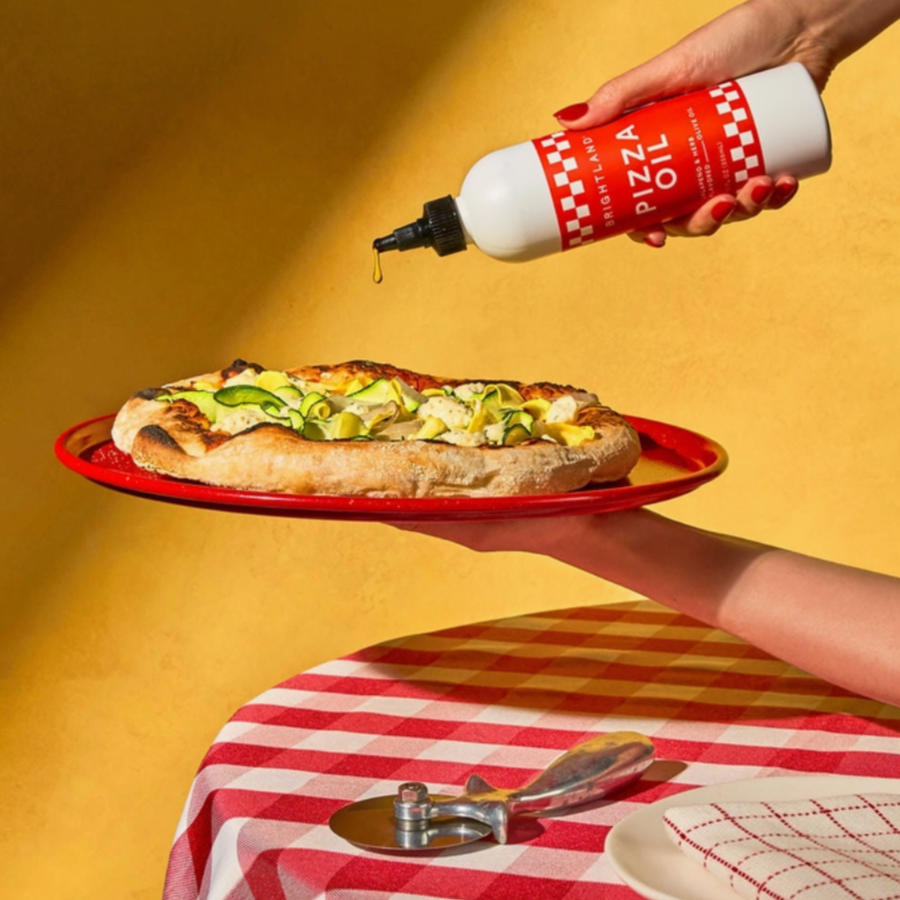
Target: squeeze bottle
x=655, y=163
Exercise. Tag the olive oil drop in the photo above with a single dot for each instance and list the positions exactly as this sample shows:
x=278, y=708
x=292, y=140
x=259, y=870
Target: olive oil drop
x=377, y=275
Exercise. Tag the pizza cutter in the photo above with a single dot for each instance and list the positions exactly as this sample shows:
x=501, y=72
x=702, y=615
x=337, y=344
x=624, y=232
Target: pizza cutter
x=416, y=820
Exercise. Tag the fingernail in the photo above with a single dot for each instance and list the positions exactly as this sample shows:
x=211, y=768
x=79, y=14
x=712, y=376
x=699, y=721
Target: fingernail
x=783, y=193
x=722, y=210
x=573, y=112
x=761, y=193
x=655, y=242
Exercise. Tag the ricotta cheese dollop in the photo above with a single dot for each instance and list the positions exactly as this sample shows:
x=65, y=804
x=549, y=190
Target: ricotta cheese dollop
x=451, y=412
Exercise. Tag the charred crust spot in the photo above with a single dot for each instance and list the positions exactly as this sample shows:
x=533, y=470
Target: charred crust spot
x=241, y=365
x=546, y=389
x=184, y=408
x=155, y=434
x=598, y=417
x=376, y=370
x=345, y=372
x=188, y=415
x=213, y=439
x=260, y=425
x=149, y=393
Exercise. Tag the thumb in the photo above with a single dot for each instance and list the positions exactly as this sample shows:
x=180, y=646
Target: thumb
x=661, y=77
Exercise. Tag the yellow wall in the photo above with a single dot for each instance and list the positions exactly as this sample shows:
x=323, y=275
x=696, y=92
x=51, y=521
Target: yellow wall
x=181, y=184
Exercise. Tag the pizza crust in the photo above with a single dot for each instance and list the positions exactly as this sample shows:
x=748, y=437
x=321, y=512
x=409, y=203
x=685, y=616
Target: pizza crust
x=175, y=439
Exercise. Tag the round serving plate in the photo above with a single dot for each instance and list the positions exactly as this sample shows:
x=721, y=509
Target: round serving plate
x=673, y=462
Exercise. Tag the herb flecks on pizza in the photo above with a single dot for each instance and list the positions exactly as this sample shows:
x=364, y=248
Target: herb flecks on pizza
x=364, y=428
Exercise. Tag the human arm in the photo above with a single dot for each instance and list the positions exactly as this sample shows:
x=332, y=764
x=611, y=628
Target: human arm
x=839, y=623
x=756, y=35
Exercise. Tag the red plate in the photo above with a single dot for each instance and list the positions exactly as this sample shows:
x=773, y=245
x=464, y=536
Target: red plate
x=673, y=461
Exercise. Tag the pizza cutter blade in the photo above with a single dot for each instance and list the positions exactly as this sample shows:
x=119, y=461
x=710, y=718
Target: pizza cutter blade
x=415, y=820
x=371, y=824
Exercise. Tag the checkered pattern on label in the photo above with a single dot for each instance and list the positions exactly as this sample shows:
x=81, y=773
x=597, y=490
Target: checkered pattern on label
x=741, y=139
x=568, y=189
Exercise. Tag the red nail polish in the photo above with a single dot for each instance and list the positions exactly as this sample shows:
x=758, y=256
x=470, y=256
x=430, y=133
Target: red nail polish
x=651, y=243
x=723, y=209
x=573, y=112
x=783, y=193
x=760, y=193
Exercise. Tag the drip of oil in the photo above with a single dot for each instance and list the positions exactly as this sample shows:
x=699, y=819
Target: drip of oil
x=377, y=275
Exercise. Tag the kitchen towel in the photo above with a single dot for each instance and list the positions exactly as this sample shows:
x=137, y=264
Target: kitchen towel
x=836, y=848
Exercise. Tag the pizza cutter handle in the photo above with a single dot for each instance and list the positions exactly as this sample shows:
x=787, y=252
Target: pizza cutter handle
x=585, y=773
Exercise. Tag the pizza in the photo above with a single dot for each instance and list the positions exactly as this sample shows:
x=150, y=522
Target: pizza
x=369, y=429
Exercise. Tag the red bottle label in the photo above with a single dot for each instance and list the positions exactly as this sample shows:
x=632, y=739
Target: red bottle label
x=654, y=164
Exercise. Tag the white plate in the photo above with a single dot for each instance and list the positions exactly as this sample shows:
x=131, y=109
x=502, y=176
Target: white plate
x=649, y=863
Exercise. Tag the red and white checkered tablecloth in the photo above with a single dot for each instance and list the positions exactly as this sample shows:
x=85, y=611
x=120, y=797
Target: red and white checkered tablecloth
x=502, y=699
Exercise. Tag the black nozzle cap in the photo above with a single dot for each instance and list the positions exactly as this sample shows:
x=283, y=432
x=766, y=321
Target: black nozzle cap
x=440, y=227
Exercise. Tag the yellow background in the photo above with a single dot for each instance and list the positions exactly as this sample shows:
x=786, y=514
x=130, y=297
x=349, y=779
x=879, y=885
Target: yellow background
x=182, y=184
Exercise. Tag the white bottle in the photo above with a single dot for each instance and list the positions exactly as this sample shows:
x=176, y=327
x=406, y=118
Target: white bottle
x=655, y=163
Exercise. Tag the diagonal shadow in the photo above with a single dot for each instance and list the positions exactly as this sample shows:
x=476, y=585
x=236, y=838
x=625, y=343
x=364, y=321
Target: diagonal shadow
x=252, y=118
x=619, y=661
x=90, y=90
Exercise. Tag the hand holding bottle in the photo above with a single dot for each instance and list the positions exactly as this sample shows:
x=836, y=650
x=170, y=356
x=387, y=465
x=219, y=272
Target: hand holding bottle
x=513, y=203
x=756, y=35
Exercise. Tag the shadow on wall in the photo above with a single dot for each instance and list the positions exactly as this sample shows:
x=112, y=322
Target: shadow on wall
x=159, y=167
x=89, y=90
